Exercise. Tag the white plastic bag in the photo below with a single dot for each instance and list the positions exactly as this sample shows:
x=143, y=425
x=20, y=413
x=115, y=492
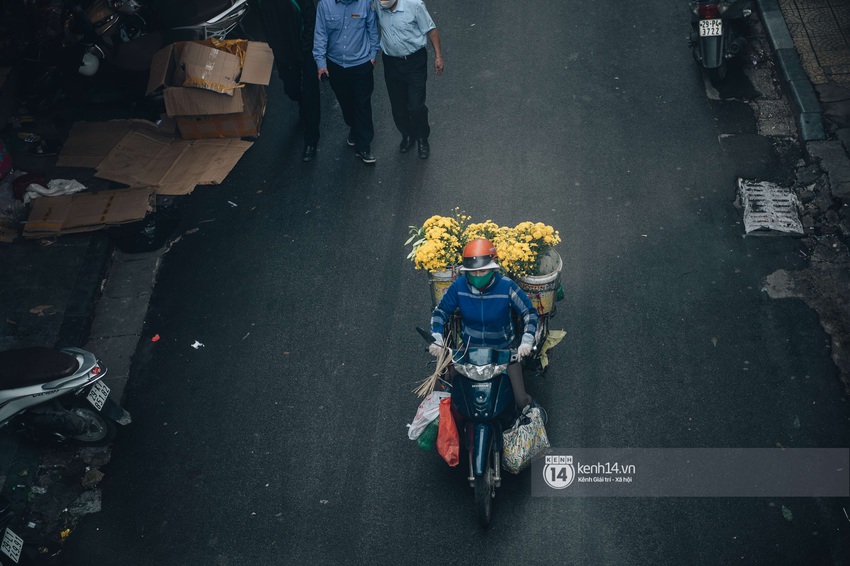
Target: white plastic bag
x=429, y=409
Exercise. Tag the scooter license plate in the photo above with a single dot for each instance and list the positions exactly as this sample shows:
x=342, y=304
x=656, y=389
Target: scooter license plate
x=12, y=545
x=710, y=28
x=98, y=394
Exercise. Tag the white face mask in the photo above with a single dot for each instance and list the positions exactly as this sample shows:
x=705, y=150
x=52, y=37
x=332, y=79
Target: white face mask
x=386, y=4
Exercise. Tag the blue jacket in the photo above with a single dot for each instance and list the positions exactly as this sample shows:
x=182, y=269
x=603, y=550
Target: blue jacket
x=486, y=316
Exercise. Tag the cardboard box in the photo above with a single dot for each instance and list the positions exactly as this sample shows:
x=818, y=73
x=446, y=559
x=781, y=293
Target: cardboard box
x=86, y=212
x=244, y=124
x=169, y=72
x=210, y=69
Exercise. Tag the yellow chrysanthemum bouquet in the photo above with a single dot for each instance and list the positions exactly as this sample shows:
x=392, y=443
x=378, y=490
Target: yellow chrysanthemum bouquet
x=438, y=243
x=522, y=247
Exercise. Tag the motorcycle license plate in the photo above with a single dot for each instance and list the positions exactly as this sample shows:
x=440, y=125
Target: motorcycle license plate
x=710, y=28
x=98, y=394
x=12, y=545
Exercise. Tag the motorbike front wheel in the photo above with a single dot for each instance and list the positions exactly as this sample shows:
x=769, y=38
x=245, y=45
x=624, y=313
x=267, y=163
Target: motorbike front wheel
x=99, y=429
x=484, y=493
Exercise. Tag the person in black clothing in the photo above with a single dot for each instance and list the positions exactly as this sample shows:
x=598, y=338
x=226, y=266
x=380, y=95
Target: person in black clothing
x=289, y=29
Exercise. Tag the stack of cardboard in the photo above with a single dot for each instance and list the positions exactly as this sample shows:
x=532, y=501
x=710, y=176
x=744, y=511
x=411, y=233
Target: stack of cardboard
x=213, y=93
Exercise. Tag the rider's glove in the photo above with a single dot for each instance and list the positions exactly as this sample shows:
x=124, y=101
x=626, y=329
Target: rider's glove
x=437, y=346
x=523, y=350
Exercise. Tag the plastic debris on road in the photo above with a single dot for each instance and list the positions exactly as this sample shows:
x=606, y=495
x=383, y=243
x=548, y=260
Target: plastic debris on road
x=197, y=345
x=769, y=208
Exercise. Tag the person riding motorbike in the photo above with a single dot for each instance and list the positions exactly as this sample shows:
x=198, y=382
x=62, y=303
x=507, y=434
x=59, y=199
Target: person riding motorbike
x=486, y=300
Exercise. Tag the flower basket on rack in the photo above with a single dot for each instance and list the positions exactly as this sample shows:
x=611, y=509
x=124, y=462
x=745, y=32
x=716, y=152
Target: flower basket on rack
x=441, y=281
x=543, y=289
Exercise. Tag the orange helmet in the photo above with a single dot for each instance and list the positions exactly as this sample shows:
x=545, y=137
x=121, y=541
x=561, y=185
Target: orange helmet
x=479, y=254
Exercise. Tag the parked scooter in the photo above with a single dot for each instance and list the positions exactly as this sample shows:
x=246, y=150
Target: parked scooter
x=109, y=29
x=13, y=548
x=718, y=31
x=58, y=395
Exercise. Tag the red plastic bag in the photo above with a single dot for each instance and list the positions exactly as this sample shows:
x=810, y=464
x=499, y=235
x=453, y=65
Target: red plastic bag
x=448, y=441
x=5, y=160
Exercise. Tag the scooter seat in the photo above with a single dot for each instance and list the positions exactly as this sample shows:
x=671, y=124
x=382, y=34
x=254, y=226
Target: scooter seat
x=31, y=366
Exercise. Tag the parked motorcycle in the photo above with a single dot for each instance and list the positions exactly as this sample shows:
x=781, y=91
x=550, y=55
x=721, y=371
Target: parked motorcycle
x=718, y=33
x=13, y=548
x=59, y=395
x=118, y=32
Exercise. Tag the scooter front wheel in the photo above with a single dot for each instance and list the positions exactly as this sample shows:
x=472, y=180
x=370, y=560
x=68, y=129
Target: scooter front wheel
x=484, y=493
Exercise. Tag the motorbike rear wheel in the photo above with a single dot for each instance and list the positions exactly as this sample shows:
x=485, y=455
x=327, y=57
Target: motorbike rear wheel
x=484, y=493
x=100, y=430
x=717, y=74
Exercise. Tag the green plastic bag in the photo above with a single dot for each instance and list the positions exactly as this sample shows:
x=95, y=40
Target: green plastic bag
x=429, y=435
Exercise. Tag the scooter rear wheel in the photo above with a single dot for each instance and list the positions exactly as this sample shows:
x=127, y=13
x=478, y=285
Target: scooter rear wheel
x=100, y=429
x=717, y=74
x=484, y=486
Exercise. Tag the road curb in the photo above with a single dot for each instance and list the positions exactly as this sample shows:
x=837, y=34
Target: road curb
x=82, y=301
x=809, y=115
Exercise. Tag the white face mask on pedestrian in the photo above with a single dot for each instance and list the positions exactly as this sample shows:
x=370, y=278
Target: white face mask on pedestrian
x=387, y=4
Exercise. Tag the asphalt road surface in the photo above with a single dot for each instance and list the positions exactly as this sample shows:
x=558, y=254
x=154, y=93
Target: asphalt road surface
x=283, y=440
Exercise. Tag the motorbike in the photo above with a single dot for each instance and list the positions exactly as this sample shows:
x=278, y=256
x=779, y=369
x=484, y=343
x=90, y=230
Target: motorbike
x=718, y=33
x=127, y=32
x=58, y=395
x=483, y=400
x=12, y=546
x=483, y=408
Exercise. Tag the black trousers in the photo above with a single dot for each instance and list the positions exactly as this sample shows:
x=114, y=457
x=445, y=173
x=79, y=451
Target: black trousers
x=353, y=88
x=405, y=77
x=301, y=84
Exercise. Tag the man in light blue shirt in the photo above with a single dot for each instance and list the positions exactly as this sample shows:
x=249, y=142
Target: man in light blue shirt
x=345, y=46
x=406, y=27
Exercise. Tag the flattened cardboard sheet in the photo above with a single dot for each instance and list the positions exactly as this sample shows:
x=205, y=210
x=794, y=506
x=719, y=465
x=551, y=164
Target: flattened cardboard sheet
x=89, y=142
x=259, y=61
x=84, y=212
x=174, y=166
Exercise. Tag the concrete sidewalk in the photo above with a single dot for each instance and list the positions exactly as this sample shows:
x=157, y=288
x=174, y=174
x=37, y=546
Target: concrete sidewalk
x=75, y=290
x=811, y=44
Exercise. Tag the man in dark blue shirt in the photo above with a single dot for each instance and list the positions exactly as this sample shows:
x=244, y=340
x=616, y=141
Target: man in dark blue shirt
x=289, y=29
x=345, y=46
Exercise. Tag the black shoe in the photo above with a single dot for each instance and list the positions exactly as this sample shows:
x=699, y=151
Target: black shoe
x=406, y=144
x=365, y=156
x=309, y=153
x=424, y=148
x=350, y=139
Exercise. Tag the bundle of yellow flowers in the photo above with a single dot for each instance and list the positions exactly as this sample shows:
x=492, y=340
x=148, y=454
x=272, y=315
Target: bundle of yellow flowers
x=439, y=242
x=521, y=248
